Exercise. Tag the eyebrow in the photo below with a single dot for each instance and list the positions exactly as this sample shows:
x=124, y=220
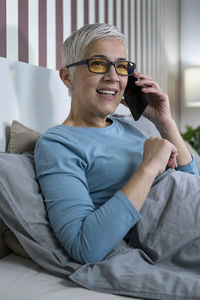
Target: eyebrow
x=103, y=56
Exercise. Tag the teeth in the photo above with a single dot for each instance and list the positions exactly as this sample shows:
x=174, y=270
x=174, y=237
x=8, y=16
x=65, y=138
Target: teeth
x=106, y=92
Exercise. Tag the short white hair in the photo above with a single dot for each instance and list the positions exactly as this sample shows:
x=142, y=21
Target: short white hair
x=75, y=45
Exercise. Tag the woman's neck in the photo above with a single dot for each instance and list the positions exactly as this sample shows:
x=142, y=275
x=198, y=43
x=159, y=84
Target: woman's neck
x=96, y=122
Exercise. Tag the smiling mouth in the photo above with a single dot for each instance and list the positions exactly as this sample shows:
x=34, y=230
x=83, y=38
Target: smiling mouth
x=107, y=92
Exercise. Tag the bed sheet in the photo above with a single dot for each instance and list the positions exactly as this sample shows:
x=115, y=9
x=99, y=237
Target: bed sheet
x=23, y=279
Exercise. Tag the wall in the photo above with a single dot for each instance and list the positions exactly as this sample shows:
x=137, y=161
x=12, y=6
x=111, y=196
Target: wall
x=189, y=55
x=32, y=31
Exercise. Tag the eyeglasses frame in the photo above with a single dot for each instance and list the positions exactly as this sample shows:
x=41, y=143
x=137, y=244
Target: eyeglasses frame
x=111, y=63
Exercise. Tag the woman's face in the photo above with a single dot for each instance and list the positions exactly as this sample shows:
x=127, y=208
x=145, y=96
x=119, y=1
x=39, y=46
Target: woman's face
x=87, y=96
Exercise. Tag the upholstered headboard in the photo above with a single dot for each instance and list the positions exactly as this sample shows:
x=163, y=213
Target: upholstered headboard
x=32, y=95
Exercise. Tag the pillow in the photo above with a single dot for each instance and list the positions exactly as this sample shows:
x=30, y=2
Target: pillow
x=22, y=210
x=1, y=230
x=9, y=240
x=22, y=138
x=8, y=237
x=3, y=249
x=144, y=125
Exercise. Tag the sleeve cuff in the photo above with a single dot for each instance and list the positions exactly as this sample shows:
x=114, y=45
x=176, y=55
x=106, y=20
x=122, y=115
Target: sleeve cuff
x=189, y=168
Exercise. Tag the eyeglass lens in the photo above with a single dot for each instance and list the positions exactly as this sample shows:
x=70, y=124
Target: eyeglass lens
x=102, y=66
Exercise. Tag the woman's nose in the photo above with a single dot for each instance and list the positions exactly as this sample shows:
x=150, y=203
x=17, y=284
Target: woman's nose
x=112, y=74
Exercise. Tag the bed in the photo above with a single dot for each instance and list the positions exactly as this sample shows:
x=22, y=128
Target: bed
x=33, y=99
x=36, y=98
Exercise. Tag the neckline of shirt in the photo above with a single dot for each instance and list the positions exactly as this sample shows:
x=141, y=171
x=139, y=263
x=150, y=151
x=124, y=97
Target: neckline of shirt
x=111, y=119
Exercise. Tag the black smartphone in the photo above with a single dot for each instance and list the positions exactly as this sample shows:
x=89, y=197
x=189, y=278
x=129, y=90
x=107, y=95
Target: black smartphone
x=135, y=98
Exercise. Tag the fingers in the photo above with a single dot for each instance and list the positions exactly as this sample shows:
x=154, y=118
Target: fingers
x=141, y=76
x=172, y=162
x=146, y=82
x=149, y=86
x=158, y=109
x=160, y=153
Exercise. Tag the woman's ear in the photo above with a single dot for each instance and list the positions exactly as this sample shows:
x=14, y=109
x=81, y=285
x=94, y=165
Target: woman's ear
x=66, y=77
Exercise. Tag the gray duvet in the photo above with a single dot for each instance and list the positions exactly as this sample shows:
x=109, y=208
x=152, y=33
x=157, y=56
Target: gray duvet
x=161, y=260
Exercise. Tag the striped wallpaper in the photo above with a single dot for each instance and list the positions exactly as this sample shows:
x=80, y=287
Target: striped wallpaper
x=33, y=31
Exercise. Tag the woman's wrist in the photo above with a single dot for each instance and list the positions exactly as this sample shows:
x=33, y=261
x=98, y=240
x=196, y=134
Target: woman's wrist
x=166, y=127
x=169, y=131
x=149, y=170
x=138, y=186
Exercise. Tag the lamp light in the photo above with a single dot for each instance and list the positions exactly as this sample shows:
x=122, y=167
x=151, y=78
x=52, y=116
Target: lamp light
x=192, y=86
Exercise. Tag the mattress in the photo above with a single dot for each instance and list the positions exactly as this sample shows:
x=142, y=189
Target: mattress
x=23, y=279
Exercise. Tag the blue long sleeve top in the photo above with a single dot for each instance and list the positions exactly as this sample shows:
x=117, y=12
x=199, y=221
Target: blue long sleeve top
x=81, y=172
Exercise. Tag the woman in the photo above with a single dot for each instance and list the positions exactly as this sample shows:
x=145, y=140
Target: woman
x=95, y=170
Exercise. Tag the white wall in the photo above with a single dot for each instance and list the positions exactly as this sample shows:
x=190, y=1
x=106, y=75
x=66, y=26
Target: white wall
x=151, y=26
x=189, y=56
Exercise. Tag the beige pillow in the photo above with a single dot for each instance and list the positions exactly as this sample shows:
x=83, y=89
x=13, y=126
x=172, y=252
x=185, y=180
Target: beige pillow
x=22, y=139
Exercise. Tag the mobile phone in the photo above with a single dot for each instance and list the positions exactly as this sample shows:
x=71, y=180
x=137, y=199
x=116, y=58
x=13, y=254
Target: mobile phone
x=135, y=98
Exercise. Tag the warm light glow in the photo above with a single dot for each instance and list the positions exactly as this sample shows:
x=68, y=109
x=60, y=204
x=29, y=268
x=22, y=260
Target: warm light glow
x=192, y=86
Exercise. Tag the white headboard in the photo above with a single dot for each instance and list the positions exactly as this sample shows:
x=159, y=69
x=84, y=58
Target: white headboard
x=34, y=96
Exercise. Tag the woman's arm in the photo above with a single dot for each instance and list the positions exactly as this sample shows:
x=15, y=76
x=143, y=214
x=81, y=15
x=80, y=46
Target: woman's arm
x=170, y=150
x=87, y=233
x=158, y=111
x=158, y=153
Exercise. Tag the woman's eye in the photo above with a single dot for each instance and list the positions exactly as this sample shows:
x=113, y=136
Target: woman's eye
x=122, y=66
x=98, y=63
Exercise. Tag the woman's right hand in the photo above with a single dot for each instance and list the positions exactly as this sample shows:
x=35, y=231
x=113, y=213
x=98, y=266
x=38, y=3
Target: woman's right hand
x=158, y=154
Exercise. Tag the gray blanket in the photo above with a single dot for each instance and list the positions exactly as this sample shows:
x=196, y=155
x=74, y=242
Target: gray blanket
x=161, y=260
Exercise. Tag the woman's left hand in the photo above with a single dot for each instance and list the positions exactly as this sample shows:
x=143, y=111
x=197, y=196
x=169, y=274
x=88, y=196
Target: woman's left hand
x=158, y=109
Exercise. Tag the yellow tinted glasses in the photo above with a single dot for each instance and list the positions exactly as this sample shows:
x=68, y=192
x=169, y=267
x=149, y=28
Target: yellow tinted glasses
x=102, y=66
